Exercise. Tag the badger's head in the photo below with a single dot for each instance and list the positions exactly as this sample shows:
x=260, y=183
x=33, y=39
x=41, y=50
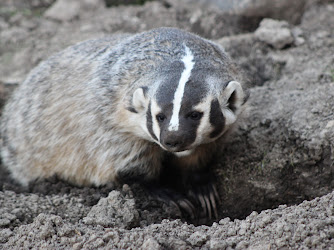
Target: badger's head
x=191, y=103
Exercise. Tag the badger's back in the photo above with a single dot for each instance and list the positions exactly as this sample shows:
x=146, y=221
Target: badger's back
x=61, y=120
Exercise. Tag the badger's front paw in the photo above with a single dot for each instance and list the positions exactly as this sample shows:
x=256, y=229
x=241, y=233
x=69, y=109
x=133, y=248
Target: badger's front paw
x=207, y=198
x=175, y=199
x=203, y=193
x=193, y=192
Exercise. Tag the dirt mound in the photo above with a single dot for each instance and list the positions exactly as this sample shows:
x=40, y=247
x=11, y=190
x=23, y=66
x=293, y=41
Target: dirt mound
x=283, y=153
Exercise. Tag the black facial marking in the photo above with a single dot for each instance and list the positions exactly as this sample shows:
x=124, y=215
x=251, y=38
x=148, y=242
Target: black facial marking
x=182, y=138
x=195, y=115
x=161, y=117
x=217, y=118
x=191, y=125
x=194, y=91
x=172, y=74
x=132, y=109
x=145, y=89
x=149, y=122
x=231, y=102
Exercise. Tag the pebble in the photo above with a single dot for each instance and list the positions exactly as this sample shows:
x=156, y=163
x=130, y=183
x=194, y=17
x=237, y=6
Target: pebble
x=275, y=33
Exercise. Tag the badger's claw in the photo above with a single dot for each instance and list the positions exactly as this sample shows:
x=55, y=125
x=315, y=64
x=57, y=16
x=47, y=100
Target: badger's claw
x=188, y=207
x=176, y=200
x=194, y=196
x=213, y=197
x=207, y=198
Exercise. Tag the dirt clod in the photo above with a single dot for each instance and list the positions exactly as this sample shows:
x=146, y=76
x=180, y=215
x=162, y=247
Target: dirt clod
x=274, y=33
x=114, y=210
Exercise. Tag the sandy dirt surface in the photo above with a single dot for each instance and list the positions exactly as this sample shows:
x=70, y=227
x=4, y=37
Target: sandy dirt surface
x=275, y=174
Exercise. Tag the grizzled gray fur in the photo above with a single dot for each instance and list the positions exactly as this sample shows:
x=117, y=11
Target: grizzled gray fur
x=108, y=108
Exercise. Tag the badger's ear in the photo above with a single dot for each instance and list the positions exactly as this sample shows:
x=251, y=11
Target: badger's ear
x=232, y=99
x=139, y=99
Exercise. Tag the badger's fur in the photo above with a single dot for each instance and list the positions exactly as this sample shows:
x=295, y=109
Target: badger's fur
x=105, y=110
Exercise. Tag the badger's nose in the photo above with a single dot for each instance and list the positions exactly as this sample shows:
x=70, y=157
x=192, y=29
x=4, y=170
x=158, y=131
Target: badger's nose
x=173, y=143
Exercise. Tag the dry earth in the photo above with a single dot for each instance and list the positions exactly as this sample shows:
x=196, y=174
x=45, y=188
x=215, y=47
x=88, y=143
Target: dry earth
x=276, y=173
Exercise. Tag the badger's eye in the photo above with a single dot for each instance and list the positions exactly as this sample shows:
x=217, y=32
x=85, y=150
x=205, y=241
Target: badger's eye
x=160, y=117
x=195, y=115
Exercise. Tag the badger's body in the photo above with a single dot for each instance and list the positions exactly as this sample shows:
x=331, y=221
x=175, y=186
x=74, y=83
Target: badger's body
x=106, y=110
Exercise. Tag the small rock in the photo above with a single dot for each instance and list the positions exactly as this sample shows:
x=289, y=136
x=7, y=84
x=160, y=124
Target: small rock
x=63, y=10
x=224, y=221
x=275, y=33
x=218, y=244
x=115, y=210
x=266, y=219
x=4, y=222
x=198, y=239
x=244, y=226
x=8, y=216
x=126, y=188
x=278, y=9
x=151, y=244
x=298, y=36
x=253, y=215
x=5, y=234
x=242, y=245
x=77, y=246
x=68, y=10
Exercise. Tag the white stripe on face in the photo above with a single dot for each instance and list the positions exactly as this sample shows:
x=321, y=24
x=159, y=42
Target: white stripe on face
x=205, y=127
x=188, y=66
x=155, y=109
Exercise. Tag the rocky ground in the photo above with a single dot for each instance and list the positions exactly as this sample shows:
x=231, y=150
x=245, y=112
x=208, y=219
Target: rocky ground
x=275, y=174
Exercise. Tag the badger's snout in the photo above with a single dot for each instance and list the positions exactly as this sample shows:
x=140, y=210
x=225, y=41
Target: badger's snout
x=174, y=141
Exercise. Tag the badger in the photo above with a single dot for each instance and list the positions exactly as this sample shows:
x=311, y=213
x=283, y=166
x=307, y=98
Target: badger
x=134, y=107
